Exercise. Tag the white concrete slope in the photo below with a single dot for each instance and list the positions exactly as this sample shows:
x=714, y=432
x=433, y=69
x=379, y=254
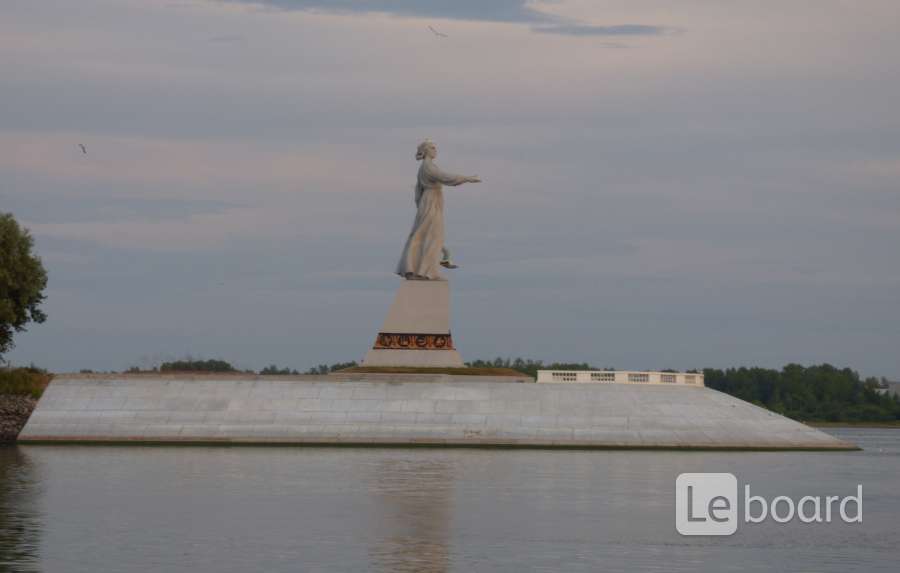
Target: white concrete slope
x=321, y=410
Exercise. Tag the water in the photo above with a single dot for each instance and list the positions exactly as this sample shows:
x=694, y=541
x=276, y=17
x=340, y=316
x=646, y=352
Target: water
x=224, y=509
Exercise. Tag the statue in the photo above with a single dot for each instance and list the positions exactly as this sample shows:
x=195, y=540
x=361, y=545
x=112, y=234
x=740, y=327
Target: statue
x=425, y=251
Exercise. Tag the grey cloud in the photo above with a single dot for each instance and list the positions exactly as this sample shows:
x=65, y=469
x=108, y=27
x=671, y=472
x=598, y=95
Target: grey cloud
x=511, y=11
x=228, y=39
x=473, y=10
x=587, y=30
x=84, y=203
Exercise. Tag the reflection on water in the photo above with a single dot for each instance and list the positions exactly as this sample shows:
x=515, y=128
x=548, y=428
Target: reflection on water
x=237, y=509
x=414, y=506
x=20, y=525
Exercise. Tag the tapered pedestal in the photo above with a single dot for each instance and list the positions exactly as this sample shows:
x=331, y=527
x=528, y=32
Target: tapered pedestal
x=416, y=331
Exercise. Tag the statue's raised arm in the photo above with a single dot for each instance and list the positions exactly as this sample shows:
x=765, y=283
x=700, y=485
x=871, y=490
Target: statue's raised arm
x=425, y=252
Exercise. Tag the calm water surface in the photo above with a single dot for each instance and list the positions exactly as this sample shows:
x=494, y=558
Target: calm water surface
x=223, y=509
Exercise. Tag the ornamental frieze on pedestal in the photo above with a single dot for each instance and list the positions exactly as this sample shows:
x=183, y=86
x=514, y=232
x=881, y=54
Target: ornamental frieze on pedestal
x=411, y=341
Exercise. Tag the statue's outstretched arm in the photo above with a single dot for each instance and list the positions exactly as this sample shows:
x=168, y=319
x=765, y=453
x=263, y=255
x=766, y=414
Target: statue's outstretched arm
x=451, y=179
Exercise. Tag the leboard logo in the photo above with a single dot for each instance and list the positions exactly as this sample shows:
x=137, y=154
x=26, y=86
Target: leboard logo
x=707, y=504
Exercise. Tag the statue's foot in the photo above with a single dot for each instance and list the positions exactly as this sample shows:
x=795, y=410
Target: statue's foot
x=449, y=265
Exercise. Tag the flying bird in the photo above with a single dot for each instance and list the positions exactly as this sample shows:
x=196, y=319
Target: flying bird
x=436, y=33
x=83, y=148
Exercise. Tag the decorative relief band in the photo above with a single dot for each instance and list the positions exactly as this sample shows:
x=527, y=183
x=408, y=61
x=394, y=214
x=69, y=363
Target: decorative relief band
x=410, y=341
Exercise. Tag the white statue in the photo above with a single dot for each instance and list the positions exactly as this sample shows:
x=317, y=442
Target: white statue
x=425, y=252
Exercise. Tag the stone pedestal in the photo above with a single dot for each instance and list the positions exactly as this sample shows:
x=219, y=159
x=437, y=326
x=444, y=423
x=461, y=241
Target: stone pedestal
x=416, y=331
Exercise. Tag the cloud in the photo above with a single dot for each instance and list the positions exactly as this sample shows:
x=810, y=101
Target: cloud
x=471, y=10
x=186, y=234
x=228, y=39
x=880, y=169
x=138, y=166
x=588, y=30
x=506, y=11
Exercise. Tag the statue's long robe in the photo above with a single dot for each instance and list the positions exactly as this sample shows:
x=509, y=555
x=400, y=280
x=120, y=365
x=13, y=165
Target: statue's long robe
x=422, y=254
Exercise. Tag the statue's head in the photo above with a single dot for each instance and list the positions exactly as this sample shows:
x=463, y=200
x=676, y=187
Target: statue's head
x=426, y=149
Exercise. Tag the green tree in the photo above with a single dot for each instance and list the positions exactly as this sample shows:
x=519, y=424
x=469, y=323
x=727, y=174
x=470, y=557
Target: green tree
x=325, y=368
x=273, y=370
x=820, y=393
x=191, y=365
x=22, y=282
x=530, y=367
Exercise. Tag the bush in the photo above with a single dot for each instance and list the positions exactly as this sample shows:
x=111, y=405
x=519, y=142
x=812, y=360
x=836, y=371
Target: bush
x=273, y=370
x=197, y=366
x=325, y=368
x=29, y=381
x=530, y=367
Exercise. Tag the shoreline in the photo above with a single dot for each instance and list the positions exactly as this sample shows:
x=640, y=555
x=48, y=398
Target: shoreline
x=883, y=425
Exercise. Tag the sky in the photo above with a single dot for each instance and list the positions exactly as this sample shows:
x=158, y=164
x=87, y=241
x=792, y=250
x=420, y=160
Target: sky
x=665, y=184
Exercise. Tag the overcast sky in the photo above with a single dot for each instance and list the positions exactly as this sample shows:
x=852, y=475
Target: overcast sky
x=666, y=184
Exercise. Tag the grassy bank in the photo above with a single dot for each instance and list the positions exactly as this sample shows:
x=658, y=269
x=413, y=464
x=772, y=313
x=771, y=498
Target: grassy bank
x=461, y=371
x=28, y=381
x=20, y=389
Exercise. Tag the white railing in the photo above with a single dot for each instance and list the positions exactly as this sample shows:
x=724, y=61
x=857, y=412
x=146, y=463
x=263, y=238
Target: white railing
x=621, y=377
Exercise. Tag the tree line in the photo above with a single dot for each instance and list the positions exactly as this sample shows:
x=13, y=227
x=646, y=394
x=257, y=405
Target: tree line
x=222, y=366
x=820, y=393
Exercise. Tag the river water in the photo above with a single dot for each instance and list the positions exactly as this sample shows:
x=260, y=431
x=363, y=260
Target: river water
x=223, y=509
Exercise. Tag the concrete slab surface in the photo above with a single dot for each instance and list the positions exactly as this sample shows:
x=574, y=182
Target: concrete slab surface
x=453, y=411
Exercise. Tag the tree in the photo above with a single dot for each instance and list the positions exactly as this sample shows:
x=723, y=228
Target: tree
x=273, y=370
x=191, y=365
x=325, y=368
x=820, y=393
x=22, y=282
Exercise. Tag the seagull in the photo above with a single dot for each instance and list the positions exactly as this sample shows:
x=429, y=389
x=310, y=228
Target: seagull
x=83, y=148
x=436, y=33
